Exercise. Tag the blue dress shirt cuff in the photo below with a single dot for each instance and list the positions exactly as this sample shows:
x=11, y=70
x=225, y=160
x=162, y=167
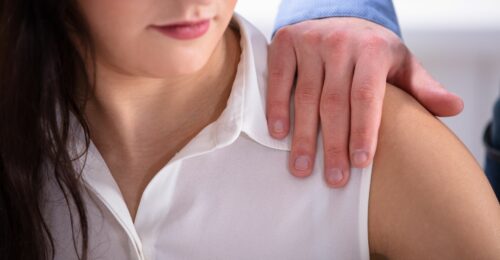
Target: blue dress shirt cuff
x=379, y=11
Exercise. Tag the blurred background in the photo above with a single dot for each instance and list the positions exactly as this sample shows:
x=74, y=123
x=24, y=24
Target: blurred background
x=458, y=41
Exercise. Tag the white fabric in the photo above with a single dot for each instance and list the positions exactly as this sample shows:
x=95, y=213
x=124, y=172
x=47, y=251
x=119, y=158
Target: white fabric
x=226, y=195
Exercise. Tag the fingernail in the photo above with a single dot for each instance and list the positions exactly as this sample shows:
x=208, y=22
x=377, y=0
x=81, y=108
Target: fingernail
x=302, y=163
x=360, y=157
x=334, y=176
x=278, y=127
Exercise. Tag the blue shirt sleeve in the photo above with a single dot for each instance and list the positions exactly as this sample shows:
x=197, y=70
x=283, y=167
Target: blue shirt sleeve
x=379, y=11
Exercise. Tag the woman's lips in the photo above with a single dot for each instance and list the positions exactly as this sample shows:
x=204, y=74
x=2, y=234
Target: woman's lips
x=185, y=31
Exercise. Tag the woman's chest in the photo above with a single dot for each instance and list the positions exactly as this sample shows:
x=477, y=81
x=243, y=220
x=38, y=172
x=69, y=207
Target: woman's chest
x=226, y=205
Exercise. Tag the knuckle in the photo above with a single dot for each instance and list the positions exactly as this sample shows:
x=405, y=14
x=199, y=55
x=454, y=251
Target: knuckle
x=336, y=45
x=337, y=37
x=277, y=73
x=376, y=42
x=277, y=106
x=303, y=143
x=399, y=46
x=276, y=103
x=283, y=34
x=360, y=135
x=336, y=151
x=311, y=37
x=306, y=96
x=333, y=102
x=331, y=113
x=333, y=98
x=364, y=93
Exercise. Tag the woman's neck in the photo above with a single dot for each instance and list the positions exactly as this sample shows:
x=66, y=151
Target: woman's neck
x=139, y=124
x=141, y=119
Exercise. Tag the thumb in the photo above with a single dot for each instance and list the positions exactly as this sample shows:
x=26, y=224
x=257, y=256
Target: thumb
x=415, y=80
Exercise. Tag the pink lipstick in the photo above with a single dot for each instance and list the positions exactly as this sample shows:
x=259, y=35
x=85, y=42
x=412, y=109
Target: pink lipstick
x=185, y=31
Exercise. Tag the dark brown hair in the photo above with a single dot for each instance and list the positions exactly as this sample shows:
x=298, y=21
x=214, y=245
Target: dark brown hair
x=39, y=68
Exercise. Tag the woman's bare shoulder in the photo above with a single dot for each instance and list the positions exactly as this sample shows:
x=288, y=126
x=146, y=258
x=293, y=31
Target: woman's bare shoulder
x=428, y=197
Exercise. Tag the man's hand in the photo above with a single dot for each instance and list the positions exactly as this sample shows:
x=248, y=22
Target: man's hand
x=342, y=67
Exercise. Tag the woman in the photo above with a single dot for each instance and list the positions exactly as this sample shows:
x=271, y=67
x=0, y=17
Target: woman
x=137, y=130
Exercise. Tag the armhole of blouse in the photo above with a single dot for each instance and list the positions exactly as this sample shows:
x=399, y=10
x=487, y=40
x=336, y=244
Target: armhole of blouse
x=364, y=196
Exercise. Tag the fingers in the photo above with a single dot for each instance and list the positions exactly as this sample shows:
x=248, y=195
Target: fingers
x=419, y=83
x=351, y=101
x=367, y=96
x=282, y=67
x=306, y=100
x=335, y=117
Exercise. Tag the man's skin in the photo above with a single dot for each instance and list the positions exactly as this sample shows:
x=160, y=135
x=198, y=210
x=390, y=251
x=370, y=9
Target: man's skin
x=342, y=67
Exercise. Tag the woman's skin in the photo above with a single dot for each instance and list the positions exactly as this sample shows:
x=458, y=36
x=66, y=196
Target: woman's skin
x=155, y=93
x=428, y=196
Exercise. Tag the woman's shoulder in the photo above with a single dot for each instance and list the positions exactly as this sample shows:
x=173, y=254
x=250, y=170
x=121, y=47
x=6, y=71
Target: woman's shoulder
x=428, y=194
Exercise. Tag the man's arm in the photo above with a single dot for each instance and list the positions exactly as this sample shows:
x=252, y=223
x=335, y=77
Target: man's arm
x=429, y=198
x=378, y=11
